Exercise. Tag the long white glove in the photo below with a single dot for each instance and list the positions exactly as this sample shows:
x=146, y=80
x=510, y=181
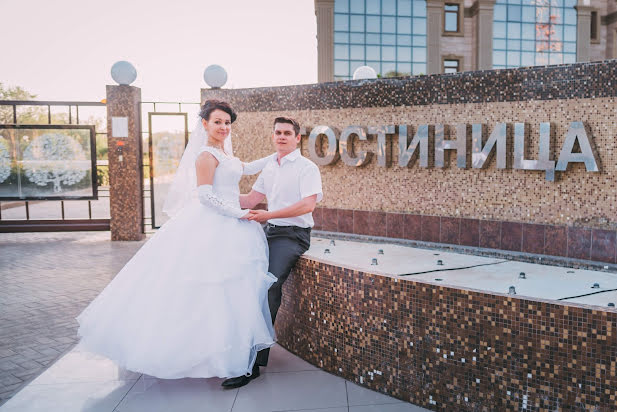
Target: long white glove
x=208, y=198
x=255, y=166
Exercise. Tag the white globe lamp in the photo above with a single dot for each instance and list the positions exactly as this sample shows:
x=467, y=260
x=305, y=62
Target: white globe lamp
x=123, y=72
x=364, y=72
x=215, y=76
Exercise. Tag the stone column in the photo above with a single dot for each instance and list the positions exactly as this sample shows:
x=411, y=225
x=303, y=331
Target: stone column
x=583, y=30
x=324, y=10
x=125, y=162
x=484, y=34
x=434, y=29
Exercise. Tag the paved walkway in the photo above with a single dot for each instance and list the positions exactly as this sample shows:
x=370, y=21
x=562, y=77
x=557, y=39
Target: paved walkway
x=48, y=278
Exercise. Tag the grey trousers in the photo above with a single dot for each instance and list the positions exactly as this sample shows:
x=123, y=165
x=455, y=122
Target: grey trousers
x=287, y=244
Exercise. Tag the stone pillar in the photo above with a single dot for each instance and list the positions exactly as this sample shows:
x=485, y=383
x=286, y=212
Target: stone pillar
x=434, y=29
x=324, y=10
x=583, y=30
x=484, y=34
x=125, y=162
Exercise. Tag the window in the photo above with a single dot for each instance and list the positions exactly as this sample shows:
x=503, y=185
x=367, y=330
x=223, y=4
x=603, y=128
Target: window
x=534, y=32
x=595, y=24
x=388, y=35
x=451, y=18
x=451, y=65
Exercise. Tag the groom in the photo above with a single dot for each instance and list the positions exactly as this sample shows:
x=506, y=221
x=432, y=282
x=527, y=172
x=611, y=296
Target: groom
x=292, y=185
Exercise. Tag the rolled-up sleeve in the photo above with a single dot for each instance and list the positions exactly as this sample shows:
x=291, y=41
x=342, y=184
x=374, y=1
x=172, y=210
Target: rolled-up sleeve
x=310, y=182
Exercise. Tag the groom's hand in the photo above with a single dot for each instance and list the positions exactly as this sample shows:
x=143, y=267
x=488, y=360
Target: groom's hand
x=248, y=215
x=260, y=216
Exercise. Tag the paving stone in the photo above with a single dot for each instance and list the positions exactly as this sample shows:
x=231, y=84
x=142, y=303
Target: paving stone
x=47, y=280
x=9, y=379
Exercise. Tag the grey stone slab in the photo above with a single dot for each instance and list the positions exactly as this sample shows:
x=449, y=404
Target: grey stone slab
x=92, y=397
x=292, y=390
x=6, y=352
x=9, y=379
x=359, y=395
x=398, y=407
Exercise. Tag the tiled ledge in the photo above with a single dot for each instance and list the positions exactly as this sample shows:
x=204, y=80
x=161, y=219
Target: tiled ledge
x=447, y=348
x=597, y=245
x=568, y=81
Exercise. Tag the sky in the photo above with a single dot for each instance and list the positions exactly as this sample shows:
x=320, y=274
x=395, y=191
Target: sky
x=64, y=49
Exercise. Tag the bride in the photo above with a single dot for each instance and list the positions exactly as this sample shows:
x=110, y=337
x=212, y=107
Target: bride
x=193, y=301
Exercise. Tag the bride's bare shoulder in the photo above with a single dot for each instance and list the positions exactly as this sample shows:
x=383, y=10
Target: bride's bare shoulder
x=206, y=159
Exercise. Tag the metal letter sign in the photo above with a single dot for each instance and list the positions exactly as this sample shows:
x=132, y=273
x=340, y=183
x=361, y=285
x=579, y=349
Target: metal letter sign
x=543, y=162
x=481, y=152
x=331, y=153
x=381, y=132
x=406, y=152
x=577, y=132
x=346, y=147
x=460, y=145
x=481, y=155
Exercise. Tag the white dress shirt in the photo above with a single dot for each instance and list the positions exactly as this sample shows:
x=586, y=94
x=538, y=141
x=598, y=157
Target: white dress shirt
x=288, y=183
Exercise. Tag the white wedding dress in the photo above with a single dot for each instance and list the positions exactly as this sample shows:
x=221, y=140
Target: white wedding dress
x=193, y=301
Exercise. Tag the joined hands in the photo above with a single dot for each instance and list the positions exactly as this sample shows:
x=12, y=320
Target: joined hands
x=260, y=216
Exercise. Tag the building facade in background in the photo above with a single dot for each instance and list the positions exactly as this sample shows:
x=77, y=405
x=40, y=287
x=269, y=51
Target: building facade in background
x=412, y=37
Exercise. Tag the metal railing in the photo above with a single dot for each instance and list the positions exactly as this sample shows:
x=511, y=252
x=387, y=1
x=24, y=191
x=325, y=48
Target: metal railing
x=72, y=109
x=148, y=110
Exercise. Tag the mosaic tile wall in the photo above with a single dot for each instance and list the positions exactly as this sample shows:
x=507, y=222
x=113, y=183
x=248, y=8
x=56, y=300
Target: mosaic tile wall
x=450, y=349
x=598, y=245
x=568, y=81
x=513, y=209
x=125, y=177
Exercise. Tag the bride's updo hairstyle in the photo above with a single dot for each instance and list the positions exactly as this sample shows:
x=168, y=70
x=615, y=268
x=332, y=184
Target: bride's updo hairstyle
x=212, y=105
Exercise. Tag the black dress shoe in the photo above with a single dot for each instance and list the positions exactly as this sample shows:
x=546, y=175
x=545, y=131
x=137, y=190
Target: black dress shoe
x=240, y=380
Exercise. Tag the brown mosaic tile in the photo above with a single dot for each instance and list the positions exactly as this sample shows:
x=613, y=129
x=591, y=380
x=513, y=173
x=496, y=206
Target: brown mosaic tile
x=511, y=236
x=490, y=234
x=556, y=240
x=450, y=230
x=585, y=80
x=603, y=245
x=317, y=218
x=395, y=223
x=579, y=243
x=449, y=349
x=361, y=224
x=369, y=223
x=470, y=232
x=487, y=194
x=484, y=194
x=125, y=178
x=430, y=228
x=345, y=221
x=378, y=224
x=413, y=227
x=533, y=238
x=329, y=220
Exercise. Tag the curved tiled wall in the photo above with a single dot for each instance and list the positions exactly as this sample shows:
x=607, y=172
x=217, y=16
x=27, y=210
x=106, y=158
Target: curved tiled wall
x=446, y=348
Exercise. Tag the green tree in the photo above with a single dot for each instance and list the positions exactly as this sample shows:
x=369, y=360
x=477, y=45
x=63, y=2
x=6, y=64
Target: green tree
x=14, y=93
x=39, y=115
x=11, y=93
x=395, y=73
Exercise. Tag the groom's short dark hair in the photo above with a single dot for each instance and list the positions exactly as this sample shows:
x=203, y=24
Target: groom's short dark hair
x=288, y=120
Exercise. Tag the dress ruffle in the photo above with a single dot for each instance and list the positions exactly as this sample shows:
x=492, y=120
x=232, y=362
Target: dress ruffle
x=193, y=301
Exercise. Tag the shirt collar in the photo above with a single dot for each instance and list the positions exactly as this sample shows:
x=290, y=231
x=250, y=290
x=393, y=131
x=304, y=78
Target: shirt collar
x=290, y=157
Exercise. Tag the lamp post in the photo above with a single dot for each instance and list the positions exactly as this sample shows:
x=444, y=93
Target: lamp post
x=215, y=76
